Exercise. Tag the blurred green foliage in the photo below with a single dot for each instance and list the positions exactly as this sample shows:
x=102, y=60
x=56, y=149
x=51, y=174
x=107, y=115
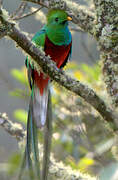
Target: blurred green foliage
x=21, y=115
x=80, y=138
x=14, y=163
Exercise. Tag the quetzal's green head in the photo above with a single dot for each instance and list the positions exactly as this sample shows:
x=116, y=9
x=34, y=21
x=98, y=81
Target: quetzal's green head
x=57, y=27
x=57, y=18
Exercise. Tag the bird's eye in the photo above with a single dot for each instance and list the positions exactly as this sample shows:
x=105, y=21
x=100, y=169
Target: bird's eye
x=56, y=19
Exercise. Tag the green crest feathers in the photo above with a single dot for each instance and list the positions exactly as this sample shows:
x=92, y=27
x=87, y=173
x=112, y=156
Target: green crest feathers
x=56, y=12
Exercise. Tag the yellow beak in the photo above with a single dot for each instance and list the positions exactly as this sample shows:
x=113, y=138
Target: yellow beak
x=69, y=18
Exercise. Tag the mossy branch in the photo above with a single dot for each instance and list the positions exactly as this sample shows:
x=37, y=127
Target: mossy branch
x=107, y=28
x=14, y=129
x=48, y=67
x=80, y=15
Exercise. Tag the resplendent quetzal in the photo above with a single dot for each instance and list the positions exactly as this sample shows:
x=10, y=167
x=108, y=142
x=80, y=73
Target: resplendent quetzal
x=55, y=39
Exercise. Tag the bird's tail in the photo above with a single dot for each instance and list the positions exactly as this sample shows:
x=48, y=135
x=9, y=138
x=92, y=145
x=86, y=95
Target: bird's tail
x=40, y=102
x=36, y=118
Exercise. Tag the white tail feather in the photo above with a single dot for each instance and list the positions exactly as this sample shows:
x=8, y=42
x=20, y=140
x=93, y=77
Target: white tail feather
x=40, y=106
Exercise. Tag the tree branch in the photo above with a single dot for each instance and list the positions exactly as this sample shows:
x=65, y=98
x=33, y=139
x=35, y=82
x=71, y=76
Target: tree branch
x=19, y=10
x=3, y=31
x=107, y=28
x=27, y=15
x=80, y=15
x=5, y=27
x=58, y=75
x=14, y=129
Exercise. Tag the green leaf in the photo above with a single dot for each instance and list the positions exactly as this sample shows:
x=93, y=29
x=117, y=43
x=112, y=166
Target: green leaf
x=19, y=93
x=14, y=162
x=19, y=75
x=84, y=163
x=92, y=72
x=21, y=115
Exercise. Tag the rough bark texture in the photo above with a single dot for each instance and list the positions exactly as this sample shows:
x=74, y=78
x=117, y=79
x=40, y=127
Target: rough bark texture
x=107, y=34
x=13, y=129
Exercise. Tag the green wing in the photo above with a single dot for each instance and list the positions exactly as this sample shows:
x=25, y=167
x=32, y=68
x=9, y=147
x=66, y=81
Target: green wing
x=39, y=41
x=39, y=38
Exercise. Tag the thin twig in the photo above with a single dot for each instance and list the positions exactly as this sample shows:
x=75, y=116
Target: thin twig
x=37, y=2
x=19, y=10
x=76, y=30
x=27, y=15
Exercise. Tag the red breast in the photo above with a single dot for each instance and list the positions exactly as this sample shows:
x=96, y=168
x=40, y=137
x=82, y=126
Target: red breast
x=57, y=54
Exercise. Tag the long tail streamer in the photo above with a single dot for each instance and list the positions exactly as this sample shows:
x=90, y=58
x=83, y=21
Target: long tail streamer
x=31, y=155
x=31, y=147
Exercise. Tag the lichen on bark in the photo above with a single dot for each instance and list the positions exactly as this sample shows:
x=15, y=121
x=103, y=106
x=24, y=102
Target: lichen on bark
x=107, y=36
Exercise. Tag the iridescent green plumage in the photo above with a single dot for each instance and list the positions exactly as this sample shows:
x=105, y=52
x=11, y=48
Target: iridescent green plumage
x=55, y=39
x=56, y=13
